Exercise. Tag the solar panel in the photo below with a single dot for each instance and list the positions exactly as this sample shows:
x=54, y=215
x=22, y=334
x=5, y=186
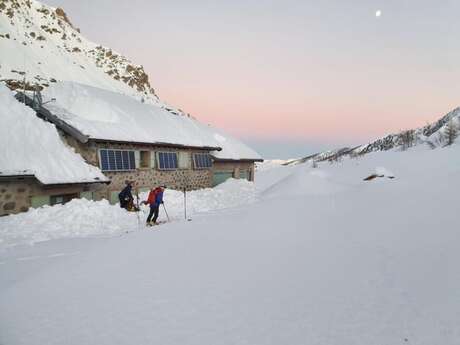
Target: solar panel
x=125, y=159
x=202, y=160
x=112, y=165
x=104, y=160
x=132, y=160
x=167, y=160
x=117, y=160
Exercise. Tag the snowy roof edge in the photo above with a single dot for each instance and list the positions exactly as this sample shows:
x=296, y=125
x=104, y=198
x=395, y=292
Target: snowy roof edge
x=209, y=148
x=31, y=174
x=237, y=160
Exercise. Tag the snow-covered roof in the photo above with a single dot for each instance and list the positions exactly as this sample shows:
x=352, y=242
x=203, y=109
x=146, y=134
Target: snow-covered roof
x=232, y=148
x=30, y=146
x=104, y=115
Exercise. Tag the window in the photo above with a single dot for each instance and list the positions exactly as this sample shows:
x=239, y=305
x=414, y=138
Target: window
x=62, y=199
x=244, y=174
x=145, y=159
x=167, y=160
x=202, y=160
x=117, y=160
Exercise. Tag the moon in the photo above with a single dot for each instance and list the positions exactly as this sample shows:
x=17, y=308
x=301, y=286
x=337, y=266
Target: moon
x=378, y=13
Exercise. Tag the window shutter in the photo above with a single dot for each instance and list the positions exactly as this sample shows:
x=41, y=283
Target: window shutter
x=152, y=159
x=184, y=160
x=137, y=158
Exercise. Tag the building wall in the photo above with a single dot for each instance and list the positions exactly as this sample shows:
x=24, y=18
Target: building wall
x=14, y=197
x=236, y=167
x=144, y=178
x=19, y=194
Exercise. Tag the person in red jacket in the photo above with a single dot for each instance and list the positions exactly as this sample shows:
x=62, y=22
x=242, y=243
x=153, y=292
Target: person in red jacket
x=154, y=199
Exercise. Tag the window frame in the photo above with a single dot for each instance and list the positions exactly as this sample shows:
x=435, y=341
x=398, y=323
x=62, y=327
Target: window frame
x=130, y=155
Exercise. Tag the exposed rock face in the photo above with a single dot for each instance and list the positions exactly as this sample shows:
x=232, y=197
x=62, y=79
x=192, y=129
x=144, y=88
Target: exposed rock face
x=41, y=42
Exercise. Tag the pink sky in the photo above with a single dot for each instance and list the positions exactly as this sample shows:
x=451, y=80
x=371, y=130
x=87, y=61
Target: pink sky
x=326, y=72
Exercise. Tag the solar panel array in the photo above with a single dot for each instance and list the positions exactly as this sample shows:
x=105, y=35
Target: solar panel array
x=117, y=160
x=167, y=160
x=202, y=161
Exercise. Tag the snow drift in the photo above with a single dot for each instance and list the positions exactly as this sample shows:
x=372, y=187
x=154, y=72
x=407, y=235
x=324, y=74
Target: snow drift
x=81, y=218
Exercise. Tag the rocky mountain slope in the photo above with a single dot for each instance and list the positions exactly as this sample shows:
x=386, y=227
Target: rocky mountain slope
x=434, y=135
x=39, y=45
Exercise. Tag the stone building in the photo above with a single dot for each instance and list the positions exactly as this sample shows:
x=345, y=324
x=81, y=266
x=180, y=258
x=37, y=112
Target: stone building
x=126, y=140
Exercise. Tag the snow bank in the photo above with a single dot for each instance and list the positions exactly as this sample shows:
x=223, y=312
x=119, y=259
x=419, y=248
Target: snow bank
x=306, y=181
x=231, y=193
x=77, y=218
x=31, y=146
x=83, y=218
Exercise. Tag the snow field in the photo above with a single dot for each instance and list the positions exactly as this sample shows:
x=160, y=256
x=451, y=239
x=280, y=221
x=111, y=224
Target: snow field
x=367, y=263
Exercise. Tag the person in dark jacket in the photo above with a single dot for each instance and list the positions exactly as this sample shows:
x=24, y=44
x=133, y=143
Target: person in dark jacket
x=126, y=196
x=155, y=199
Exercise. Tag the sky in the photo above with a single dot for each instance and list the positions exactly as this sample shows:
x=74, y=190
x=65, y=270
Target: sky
x=290, y=77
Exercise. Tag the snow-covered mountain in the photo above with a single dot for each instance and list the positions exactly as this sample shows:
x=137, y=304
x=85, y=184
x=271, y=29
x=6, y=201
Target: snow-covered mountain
x=39, y=44
x=434, y=135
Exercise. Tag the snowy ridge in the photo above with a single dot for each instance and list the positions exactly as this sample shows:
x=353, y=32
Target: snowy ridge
x=31, y=146
x=432, y=135
x=40, y=43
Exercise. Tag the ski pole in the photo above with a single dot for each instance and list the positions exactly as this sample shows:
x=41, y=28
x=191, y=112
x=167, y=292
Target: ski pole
x=137, y=211
x=185, y=203
x=166, y=211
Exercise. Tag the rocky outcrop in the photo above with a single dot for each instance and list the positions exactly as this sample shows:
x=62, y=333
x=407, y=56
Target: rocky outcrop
x=48, y=32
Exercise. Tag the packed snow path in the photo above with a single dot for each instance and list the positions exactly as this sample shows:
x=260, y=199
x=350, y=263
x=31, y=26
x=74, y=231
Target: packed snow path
x=322, y=258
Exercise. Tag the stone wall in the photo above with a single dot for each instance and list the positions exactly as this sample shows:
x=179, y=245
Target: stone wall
x=15, y=196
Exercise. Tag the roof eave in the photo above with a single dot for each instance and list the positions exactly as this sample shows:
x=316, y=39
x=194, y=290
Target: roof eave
x=31, y=176
x=172, y=145
x=74, y=183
